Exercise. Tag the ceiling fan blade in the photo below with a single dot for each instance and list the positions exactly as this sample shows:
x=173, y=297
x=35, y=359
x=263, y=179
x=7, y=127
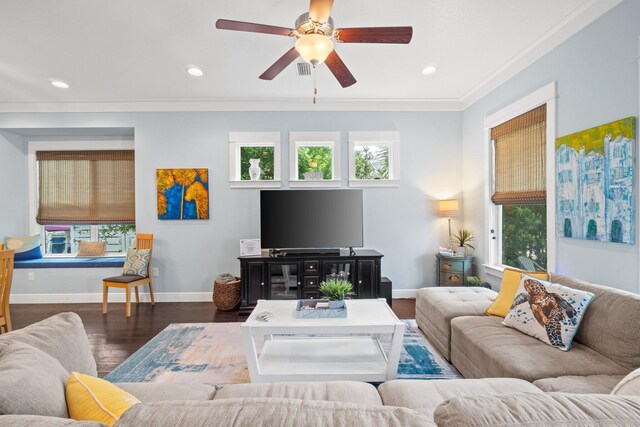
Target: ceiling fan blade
x=225, y=24
x=400, y=35
x=319, y=10
x=280, y=64
x=339, y=70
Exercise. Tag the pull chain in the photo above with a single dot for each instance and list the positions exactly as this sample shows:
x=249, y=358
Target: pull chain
x=315, y=85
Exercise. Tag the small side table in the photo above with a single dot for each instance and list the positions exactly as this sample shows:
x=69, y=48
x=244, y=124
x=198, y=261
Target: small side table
x=453, y=270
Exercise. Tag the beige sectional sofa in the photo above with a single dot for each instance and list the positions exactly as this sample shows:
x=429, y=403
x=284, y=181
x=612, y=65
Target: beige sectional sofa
x=35, y=363
x=605, y=349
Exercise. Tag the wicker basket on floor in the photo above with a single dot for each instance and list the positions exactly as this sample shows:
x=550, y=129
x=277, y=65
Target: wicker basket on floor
x=226, y=296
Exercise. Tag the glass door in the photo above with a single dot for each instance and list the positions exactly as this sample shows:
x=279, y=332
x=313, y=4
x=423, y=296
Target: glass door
x=283, y=280
x=338, y=270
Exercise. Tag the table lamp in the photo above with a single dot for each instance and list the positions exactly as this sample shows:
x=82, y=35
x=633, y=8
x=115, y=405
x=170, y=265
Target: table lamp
x=448, y=208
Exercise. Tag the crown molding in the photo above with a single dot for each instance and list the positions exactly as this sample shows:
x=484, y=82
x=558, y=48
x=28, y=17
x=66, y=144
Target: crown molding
x=232, y=105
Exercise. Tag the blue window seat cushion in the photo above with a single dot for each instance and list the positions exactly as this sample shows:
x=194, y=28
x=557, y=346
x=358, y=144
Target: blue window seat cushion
x=70, y=262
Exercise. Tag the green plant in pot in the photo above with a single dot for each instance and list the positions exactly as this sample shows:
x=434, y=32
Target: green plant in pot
x=463, y=238
x=335, y=290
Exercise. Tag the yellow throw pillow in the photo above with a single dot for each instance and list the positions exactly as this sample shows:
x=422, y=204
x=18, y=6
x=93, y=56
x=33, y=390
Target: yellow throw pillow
x=508, y=289
x=94, y=399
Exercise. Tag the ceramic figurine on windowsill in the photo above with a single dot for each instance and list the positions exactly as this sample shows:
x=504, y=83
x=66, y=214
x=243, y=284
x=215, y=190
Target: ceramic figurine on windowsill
x=463, y=239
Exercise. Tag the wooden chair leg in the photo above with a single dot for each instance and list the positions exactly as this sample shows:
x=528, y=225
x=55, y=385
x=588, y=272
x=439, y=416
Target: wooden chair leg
x=105, y=294
x=153, y=302
x=7, y=320
x=128, y=302
x=137, y=295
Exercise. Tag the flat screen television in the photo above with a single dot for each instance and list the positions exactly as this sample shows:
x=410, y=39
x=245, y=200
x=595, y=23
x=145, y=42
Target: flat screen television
x=310, y=219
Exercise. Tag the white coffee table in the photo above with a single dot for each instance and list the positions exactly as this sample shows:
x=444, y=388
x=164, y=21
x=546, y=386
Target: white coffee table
x=332, y=353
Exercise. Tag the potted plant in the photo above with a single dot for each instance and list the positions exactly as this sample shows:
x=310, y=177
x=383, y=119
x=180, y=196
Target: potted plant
x=463, y=238
x=335, y=290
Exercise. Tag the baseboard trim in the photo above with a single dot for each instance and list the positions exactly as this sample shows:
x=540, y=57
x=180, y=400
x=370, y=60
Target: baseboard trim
x=115, y=295
x=404, y=293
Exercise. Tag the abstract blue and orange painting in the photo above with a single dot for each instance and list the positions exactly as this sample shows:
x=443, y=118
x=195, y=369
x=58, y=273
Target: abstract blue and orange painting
x=183, y=193
x=594, y=183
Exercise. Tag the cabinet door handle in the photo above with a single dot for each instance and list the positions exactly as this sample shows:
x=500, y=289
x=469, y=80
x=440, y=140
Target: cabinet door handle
x=446, y=266
x=261, y=283
x=311, y=283
x=298, y=283
x=359, y=281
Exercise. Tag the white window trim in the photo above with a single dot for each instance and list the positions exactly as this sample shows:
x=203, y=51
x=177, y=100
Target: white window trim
x=314, y=139
x=32, y=168
x=237, y=140
x=371, y=138
x=545, y=95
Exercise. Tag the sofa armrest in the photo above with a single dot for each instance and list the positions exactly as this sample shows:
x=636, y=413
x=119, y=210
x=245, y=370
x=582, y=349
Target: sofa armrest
x=539, y=410
x=38, y=420
x=62, y=337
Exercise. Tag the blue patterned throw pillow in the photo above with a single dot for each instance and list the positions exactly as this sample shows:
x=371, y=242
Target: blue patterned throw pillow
x=27, y=247
x=137, y=262
x=547, y=311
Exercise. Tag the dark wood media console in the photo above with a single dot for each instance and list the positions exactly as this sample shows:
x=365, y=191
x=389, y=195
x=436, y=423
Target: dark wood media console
x=298, y=276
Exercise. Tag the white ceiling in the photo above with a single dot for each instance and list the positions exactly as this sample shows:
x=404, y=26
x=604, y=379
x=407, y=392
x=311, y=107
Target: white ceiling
x=134, y=53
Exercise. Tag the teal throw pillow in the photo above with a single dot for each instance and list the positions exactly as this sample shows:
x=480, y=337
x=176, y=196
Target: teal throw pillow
x=26, y=247
x=137, y=262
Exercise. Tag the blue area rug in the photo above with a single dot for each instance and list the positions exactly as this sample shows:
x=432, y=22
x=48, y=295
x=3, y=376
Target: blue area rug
x=212, y=353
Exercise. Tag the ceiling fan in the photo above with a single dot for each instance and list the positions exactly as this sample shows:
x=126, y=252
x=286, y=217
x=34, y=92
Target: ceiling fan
x=314, y=32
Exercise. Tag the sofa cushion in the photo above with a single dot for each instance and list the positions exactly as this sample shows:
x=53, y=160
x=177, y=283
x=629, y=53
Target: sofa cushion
x=539, y=410
x=39, y=420
x=269, y=412
x=161, y=392
x=63, y=337
x=339, y=391
x=482, y=347
x=31, y=382
x=589, y=384
x=629, y=385
x=548, y=311
x=611, y=325
x=95, y=399
x=509, y=288
x=425, y=396
x=435, y=307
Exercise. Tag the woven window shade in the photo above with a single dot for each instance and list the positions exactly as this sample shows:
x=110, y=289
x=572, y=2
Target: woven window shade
x=520, y=162
x=86, y=187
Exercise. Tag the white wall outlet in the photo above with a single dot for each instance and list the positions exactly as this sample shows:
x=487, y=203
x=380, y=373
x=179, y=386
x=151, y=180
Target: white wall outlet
x=154, y=271
x=31, y=276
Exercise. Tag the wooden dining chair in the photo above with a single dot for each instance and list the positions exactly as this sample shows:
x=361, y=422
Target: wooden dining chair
x=130, y=281
x=6, y=276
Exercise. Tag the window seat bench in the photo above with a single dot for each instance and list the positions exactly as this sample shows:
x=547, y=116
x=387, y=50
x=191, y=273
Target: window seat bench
x=70, y=262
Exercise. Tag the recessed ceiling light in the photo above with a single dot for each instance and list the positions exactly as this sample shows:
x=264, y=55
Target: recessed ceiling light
x=429, y=70
x=195, y=71
x=60, y=84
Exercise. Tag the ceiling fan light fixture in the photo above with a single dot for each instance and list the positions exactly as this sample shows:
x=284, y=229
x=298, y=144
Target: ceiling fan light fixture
x=314, y=48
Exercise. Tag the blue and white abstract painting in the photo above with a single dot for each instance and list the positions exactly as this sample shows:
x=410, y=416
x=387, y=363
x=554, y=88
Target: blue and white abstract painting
x=594, y=183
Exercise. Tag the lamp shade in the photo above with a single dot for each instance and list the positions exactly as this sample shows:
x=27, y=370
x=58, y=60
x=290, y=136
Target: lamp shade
x=314, y=48
x=448, y=208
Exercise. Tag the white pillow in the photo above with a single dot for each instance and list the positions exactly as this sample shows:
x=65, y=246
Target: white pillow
x=629, y=385
x=547, y=311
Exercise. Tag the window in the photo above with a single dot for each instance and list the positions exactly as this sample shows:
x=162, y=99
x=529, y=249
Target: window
x=520, y=190
x=314, y=159
x=254, y=159
x=85, y=194
x=373, y=159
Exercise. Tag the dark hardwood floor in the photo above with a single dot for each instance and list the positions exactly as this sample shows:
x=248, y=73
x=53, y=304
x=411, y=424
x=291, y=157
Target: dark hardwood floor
x=113, y=337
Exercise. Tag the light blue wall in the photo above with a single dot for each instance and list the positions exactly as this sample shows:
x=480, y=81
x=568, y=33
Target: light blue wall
x=401, y=223
x=597, y=79
x=13, y=187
